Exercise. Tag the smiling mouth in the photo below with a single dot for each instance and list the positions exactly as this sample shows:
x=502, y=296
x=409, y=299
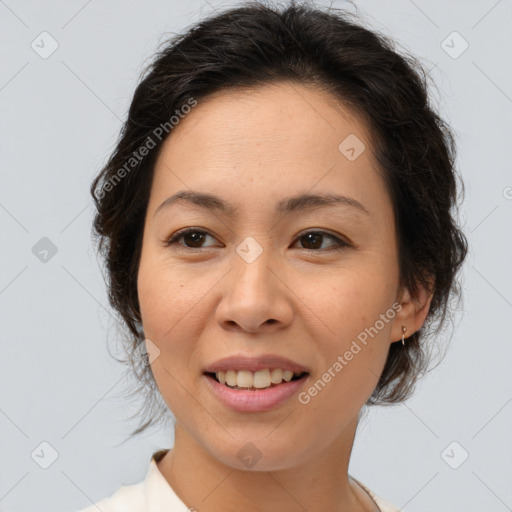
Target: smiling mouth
x=213, y=376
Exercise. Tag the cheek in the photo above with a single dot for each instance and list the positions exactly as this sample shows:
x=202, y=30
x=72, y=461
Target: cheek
x=164, y=296
x=357, y=316
x=168, y=320
x=173, y=313
x=161, y=302
x=349, y=302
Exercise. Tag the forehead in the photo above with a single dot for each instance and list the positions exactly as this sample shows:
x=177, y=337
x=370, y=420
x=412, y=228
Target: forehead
x=279, y=117
x=268, y=142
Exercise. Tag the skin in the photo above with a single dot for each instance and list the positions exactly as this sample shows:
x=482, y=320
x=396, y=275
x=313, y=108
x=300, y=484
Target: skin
x=254, y=148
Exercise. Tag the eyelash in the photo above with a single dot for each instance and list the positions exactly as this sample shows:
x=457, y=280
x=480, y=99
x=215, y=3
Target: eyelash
x=180, y=234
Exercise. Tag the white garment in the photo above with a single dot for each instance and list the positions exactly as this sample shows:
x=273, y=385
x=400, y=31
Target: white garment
x=154, y=494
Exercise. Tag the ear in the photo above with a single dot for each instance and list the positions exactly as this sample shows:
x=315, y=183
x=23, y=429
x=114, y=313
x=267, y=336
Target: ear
x=413, y=312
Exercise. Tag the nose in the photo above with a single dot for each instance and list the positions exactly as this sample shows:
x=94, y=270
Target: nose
x=255, y=296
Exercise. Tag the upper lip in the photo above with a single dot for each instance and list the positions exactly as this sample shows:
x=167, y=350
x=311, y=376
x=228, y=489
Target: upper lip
x=253, y=364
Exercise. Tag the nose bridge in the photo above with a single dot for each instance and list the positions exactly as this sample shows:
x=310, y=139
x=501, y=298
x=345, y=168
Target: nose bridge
x=252, y=267
x=254, y=295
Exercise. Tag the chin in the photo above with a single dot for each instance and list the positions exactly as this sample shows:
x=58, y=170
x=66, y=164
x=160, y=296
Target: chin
x=258, y=455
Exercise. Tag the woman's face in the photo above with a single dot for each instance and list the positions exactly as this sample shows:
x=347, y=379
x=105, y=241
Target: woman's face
x=308, y=282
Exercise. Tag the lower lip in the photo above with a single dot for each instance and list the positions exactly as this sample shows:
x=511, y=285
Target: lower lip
x=258, y=400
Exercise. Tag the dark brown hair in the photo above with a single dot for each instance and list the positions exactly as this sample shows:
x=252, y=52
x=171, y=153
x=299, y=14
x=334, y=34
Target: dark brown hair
x=257, y=44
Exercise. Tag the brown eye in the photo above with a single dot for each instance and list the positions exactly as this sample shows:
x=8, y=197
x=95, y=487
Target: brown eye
x=192, y=237
x=312, y=240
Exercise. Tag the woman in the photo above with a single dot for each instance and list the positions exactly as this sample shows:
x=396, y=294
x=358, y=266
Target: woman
x=276, y=221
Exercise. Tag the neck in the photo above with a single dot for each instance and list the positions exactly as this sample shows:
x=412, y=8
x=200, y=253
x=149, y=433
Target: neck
x=320, y=483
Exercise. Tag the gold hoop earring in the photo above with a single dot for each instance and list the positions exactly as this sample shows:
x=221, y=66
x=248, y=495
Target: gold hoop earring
x=404, y=329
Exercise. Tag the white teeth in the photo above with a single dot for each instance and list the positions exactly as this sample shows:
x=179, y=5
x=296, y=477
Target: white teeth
x=276, y=376
x=231, y=378
x=287, y=375
x=244, y=379
x=260, y=379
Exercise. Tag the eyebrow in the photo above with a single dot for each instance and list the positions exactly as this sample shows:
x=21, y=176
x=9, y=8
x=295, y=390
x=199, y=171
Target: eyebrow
x=290, y=204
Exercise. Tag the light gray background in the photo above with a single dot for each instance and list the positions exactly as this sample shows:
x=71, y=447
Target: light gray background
x=60, y=117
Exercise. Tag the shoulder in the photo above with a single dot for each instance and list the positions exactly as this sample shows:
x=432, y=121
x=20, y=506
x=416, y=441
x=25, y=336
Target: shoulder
x=152, y=493
x=126, y=499
x=384, y=506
